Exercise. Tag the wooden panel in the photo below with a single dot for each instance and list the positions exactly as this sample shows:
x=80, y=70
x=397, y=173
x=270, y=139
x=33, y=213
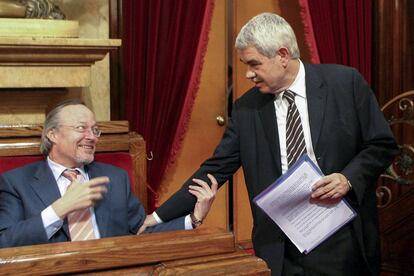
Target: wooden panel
x=397, y=245
x=33, y=130
x=138, y=152
x=20, y=130
x=107, y=253
x=395, y=191
x=117, y=92
x=393, y=48
x=238, y=263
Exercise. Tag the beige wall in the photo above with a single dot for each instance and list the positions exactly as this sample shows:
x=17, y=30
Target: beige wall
x=30, y=105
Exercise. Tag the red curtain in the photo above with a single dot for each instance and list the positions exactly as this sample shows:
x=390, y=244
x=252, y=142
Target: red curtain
x=164, y=42
x=308, y=31
x=343, y=32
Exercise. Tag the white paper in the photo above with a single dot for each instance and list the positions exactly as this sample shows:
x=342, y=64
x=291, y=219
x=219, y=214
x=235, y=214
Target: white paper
x=288, y=203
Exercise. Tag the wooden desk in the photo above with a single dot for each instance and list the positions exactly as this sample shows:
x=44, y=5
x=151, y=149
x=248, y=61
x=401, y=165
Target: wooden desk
x=201, y=252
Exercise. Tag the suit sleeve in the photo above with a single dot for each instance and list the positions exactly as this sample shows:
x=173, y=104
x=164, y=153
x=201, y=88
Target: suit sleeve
x=378, y=145
x=15, y=228
x=137, y=215
x=222, y=165
x=175, y=224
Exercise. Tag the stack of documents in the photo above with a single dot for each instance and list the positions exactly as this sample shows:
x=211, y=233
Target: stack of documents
x=288, y=202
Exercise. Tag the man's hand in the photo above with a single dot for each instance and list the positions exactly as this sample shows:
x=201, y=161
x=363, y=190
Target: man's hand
x=149, y=221
x=205, y=196
x=330, y=188
x=80, y=196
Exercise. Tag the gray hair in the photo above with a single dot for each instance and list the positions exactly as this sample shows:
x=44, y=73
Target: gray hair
x=268, y=32
x=52, y=121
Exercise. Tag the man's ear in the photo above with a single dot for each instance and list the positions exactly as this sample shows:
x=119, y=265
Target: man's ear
x=51, y=135
x=284, y=55
x=283, y=52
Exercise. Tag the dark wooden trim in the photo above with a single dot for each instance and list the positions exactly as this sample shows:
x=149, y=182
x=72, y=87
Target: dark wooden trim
x=393, y=74
x=116, y=84
x=393, y=59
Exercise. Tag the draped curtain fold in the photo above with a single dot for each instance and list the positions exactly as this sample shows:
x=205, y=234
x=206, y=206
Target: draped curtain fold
x=308, y=31
x=163, y=48
x=343, y=32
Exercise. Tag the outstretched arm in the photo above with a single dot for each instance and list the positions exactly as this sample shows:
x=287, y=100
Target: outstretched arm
x=205, y=196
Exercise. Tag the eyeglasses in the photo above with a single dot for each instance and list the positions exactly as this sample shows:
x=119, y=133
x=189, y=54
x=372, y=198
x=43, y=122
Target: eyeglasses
x=83, y=129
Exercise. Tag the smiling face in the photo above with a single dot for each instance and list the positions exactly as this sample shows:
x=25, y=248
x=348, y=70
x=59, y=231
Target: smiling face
x=270, y=75
x=70, y=146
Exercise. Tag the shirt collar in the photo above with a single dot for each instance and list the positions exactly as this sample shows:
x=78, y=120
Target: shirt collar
x=58, y=169
x=299, y=85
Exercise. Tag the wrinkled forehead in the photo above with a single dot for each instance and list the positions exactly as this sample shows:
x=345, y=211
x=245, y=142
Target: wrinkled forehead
x=250, y=54
x=76, y=114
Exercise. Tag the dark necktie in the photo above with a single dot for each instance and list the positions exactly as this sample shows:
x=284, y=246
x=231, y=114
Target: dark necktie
x=295, y=140
x=80, y=221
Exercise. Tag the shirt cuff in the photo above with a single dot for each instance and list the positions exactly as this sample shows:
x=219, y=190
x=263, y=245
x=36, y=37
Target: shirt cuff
x=350, y=185
x=187, y=223
x=51, y=221
x=157, y=218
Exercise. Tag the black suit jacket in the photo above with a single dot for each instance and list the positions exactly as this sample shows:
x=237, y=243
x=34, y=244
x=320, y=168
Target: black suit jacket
x=349, y=136
x=25, y=192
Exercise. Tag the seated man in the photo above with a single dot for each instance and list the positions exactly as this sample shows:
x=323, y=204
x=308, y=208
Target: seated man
x=69, y=197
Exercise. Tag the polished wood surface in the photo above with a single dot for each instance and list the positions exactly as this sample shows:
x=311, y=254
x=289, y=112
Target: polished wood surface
x=393, y=53
x=395, y=191
x=200, y=252
x=237, y=263
x=117, y=80
x=117, y=251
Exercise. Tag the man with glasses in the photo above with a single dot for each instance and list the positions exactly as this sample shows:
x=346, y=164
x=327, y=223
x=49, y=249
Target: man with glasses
x=69, y=197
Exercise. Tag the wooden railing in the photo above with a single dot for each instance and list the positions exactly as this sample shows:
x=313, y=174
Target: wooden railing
x=179, y=252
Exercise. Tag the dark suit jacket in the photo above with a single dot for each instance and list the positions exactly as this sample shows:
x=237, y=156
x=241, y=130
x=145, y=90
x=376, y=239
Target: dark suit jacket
x=25, y=192
x=349, y=136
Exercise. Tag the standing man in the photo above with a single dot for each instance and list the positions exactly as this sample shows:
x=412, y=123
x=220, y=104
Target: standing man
x=326, y=111
x=69, y=197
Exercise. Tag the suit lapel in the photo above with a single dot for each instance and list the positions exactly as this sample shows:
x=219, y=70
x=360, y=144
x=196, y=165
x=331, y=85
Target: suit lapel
x=46, y=188
x=44, y=185
x=316, y=96
x=101, y=214
x=267, y=116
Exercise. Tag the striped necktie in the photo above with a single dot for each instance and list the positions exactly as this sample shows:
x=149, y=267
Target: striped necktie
x=80, y=221
x=295, y=140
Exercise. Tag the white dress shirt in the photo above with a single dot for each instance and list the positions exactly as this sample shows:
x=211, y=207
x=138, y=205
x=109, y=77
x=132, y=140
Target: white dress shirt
x=281, y=105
